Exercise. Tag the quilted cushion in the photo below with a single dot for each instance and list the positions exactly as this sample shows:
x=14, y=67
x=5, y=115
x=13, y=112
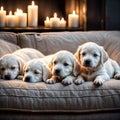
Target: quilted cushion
x=16, y=95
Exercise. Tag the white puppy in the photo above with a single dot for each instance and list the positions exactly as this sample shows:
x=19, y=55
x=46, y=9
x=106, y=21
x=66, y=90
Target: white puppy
x=64, y=68
x=36, y=70
x=11, y=65
x=95, y=64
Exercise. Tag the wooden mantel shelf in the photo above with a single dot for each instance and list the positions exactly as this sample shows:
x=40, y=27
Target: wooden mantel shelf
x=38, y=29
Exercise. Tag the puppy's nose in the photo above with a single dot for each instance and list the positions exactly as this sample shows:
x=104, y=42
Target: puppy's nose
x=87, y=63
x=57, y=72
x=27, y=79
x=7, y=77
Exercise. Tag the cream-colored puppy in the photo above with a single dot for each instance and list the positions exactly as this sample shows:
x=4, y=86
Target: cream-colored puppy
x=95, y=64
x=36, y=70
x=11, y=65
x=64, y=68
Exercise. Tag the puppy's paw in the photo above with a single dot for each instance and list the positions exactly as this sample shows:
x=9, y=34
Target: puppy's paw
x=20, y=77
x=50, y=81
x=67, y=81
x=98, y=82
x=79, y=81
x=117, y=76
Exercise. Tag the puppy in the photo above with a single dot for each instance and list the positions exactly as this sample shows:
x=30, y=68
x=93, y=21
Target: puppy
x=95, y=64
x=11, y=65
x=36, y=70
x=64, y=68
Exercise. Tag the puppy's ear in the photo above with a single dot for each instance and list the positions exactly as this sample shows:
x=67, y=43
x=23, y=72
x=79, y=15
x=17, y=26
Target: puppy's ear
x=104, y=55
x=46, y=73
x=76, y=68
x=77, y=53
x=21, y=63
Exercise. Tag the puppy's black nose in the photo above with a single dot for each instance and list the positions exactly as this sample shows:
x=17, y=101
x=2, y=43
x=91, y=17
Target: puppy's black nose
x=27, y=79
x=57, y=72
x=87, y=63
x=7, y=77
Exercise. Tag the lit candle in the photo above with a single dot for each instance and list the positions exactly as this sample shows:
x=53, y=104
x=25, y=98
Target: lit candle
x=62, y=23
x=21, y=18
x=73, y=20
x=33, y=15
x=47, y=22
x=11, y=20
x=55, y=21
x=2, y=17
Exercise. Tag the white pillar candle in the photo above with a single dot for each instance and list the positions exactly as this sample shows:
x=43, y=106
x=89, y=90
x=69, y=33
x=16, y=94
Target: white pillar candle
x=21, y=18
x=62, y=23
x=47, y=22
x=11, y=20
x=2, y=17
x=73, y=20
x=33, y=15
x=55, y=21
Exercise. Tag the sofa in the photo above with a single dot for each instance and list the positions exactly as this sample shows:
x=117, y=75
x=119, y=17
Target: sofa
x=40, y=101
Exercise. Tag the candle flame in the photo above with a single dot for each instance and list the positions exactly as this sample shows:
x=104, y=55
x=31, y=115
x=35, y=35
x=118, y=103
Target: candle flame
x=55, y=15
x=62, y=19
x=10, y=13
x=47, y=18
x=1, y=8
x=33, y=3
x=73, y=12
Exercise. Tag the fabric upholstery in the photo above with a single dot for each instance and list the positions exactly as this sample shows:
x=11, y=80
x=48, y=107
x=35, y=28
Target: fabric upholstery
x=41, y=97
x=7, y=47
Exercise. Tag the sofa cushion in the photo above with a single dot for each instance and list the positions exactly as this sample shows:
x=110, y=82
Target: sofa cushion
x=7, y=47
x=16, y=95
x=9, y=37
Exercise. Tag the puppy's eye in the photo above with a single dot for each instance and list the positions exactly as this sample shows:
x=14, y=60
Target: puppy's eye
x=55, y=62
x=83, y=54
x=65, y=64
x=95, y=55
x=2, y=69
x=12, y=68
x=36, y=72
x=26, y=70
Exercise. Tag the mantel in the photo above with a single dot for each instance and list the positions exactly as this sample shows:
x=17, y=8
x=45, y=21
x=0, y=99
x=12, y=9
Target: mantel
x=39, y=29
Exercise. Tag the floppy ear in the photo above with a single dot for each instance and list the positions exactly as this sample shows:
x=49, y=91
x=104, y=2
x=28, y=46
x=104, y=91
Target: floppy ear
x=46, y=72
x=104, y=55
x=76, y=68
x=21, y=64
x=77, y=53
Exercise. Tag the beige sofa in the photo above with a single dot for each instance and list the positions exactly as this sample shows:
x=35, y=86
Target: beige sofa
x=38, y=101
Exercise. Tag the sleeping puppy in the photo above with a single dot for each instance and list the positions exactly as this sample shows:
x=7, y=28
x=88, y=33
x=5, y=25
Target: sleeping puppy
x=95, y=64
x=11, y=65
x=64, y=68
x=36, y=70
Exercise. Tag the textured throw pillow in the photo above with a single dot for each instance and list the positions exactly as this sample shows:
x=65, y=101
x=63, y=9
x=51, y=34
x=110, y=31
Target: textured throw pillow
x=6, y=47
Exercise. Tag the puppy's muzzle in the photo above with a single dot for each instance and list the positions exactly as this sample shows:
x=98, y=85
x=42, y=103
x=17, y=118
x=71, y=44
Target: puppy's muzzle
x=7, y=77
x=27, y=79
x=87, y=63
x=57, y=72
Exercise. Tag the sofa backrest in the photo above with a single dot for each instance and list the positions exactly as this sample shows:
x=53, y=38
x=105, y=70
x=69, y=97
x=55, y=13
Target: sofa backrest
x=51, y=42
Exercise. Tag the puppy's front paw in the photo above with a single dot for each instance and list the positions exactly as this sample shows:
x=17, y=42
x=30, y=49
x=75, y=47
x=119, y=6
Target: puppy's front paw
x=67, y=81
x=117, y=76
x=79, y=81
x=50, y=81
x=98, y=82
